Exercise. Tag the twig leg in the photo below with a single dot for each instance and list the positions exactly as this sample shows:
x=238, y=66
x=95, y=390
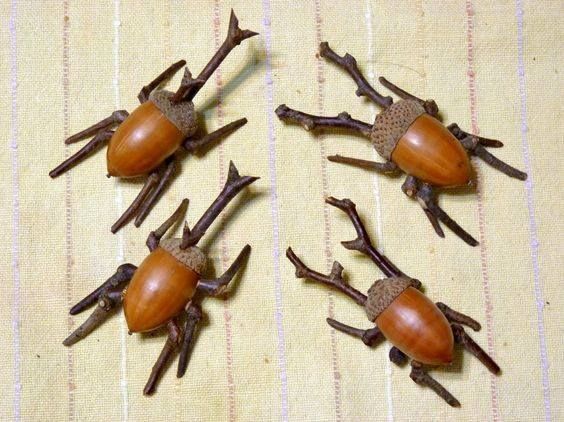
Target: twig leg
x=100, y=139
x=171, y=344
x=461, y=337
x=457, y=317
x=348, y=63
x=164, y=179
x=193, y=317
x=425, y=195
x=421, y=377
x=371, y=337
x=334, y=279
x=108, y=296
x=154, y=237
x=385, y=168
x=216, y=286
x=167, y=74
x=476, y=145
x=430, y=106
x=191, y=144
x=311, y=122
x=115, y=118
x=149, y=185
x=397, y=356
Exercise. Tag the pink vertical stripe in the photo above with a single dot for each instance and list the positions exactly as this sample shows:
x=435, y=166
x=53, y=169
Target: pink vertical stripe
x=279, y=307
x=224, y=243
x=16, y=317
x=326, y=219
x=533, y=235
x=481, y=216
x=68, y=211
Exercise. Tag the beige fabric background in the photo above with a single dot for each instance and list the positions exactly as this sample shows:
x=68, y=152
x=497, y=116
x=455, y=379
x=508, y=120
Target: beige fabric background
x=267, y=353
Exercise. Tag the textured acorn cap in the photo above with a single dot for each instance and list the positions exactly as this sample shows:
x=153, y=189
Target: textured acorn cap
x=382, y=293
x=182, y=114
x=391, y=125
x=192, y=257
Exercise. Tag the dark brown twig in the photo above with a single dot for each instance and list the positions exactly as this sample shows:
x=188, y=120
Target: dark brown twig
x=461, y=337
x=430, y=106
x=496, y=163
x=427, y=200
x=457, y=317
x=334, y=279
x=397, y=356
x=149, y=185
x=164, y=178
x=217, y=286
x=116, y=117
x=387, y=167
x=370, y=337
x=310, y=122
x=167, y=74
x=234, y=37
x=106, y=303
x=169, y=348
x=460, y=135
x=116, y=282
x=363, y=243
x=193, y=317
x=191, y=145
x=100, y=139
x=421, y=377
x=233, y=185
x=154, y=237
x=348, y=63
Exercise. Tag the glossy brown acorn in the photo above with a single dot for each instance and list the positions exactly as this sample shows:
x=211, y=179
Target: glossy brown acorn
x=418, y=328
x=159, y=290
x=410, y=137
x=142, y=142
x=429, y=152
x=145, y=142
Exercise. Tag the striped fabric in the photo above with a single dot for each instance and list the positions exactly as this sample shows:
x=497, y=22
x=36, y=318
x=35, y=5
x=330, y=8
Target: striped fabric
x=266, y=353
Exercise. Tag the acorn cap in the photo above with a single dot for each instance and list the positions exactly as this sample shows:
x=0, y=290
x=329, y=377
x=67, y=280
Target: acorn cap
x=382, y=293
x=181, y=114
x=391, y=125
x=191, y=257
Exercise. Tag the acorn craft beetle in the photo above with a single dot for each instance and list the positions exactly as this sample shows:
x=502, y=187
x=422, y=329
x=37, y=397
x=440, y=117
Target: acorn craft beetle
x=168, y=286
x=410, y=137
x=416, y=327
x=146, y=140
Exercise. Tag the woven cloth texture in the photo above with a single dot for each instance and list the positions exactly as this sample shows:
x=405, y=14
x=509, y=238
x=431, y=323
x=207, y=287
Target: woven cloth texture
x=267, y=353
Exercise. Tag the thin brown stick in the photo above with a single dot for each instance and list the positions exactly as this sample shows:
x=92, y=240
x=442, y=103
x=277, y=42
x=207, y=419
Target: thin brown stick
x=169, y=348
x=310, y=122
x=460, y=134
x=233, y=185
x=216, y=286
x=349, y=64
x=430, y=106
x=334, y=279
x=387, y=167
x=461, y=337
x=149, y=185
x=370, y=337
x=165, y=75
x=154, y=237
x=116, y=117
x=100, y=139
x=457, y=317
x=191, y=145
x=234, y=37
x=164, y=178
x=421, y=377
x=363, y=243
x=496, y=163
x=397, y=356
x=193, y=317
